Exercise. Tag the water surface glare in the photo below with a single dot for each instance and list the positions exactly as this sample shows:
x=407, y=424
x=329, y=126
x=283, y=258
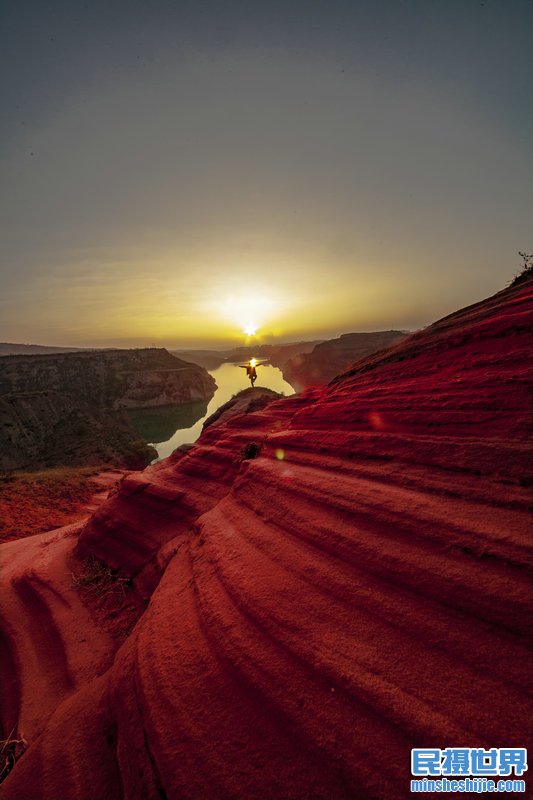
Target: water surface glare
x=168, y=428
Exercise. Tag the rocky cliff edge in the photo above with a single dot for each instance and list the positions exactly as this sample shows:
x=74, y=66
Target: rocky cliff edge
x=308, y=610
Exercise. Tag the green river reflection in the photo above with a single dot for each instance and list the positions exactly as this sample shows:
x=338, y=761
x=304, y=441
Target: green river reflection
x=169, y=427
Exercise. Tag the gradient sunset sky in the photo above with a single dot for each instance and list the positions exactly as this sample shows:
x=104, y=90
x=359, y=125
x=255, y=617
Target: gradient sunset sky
x=173, y=171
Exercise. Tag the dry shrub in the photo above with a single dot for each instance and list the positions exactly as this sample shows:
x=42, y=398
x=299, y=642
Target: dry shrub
x=97, y=578
x=250, y=450
x=11, y=750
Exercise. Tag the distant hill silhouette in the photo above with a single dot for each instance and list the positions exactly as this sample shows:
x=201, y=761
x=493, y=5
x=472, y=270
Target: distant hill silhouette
x=12, y=349
x=332, y=357
x=277, y=354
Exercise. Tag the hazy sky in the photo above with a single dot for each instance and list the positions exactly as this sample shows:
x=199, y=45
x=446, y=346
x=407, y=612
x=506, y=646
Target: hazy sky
x=348, y=165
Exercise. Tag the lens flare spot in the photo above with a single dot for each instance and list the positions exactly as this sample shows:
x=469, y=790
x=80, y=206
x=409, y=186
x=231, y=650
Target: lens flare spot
x=376, y=421
x=280, y=454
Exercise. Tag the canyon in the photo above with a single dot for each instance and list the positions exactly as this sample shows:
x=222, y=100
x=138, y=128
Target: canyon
x=328, y=359
x=276, y=354
x=71, y=408
x=303, y=364
x=288, y=606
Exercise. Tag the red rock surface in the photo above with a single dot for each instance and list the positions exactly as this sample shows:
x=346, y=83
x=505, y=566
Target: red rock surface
x=37, y=502
x=361, y=587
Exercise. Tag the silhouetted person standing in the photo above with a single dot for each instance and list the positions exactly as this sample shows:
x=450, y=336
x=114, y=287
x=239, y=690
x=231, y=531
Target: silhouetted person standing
x=251, y=370
x=252, y=373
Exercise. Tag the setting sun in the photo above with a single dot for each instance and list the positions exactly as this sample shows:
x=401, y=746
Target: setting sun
x=256, y=308
x=302, y=573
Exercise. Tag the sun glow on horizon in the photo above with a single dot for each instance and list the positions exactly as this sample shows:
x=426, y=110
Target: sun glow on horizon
x=250, y=311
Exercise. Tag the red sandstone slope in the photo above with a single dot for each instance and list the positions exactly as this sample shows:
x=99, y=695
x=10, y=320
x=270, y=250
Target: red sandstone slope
x=360, y=588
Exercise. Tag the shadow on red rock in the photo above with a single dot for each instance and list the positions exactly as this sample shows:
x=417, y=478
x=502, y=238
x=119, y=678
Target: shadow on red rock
x=359, y=587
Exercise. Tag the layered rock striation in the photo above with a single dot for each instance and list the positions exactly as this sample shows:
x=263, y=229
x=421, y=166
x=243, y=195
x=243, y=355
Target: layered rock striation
x=355, y=585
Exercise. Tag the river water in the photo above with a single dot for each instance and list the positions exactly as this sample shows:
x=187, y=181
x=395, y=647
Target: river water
x=167, y=428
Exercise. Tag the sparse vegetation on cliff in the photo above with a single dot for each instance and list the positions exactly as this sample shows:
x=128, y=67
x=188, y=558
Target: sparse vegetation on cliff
x=71, y=408
x=526, y=270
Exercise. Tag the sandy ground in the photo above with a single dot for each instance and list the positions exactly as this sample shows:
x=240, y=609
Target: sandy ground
x=36, y=502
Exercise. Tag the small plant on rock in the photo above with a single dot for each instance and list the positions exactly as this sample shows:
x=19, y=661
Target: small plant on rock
x=98, y=578
x=11, y=750
x=526, y=270
x=250, y=450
